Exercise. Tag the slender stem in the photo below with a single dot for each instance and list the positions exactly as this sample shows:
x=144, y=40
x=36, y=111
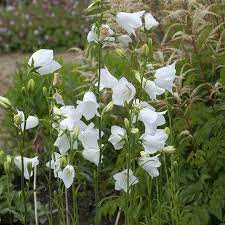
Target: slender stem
x=97, y=198
x=118, y=217
x=35, y=196
x=67, y=207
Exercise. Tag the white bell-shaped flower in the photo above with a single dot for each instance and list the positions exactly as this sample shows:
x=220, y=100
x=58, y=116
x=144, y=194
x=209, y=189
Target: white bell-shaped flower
x=92, y=155
x=129, y=21
x=117, y=137
x=151, y=89
x=150, y=21
x=89, y=106
x=106, y=34
x=63, y=142
x=123, y=181
x=107, y=80
x=124, y=40
x=32, y=161
x=58, y=98
x=54, y=163
x=67, y=175
x=155, y=142
x=71, y=125
x=89, y=137
x=123, y=91
x=149, y=164
x=165, y=76
x=31, y=122
x=43, y=61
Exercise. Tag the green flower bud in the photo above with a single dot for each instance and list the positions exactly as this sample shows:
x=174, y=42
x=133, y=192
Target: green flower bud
x=76, y=133
x=30, y=86
x=134, y=130
x=57, y=79
x=44, y=90
x=7, y=164
x=120, y=52
x=137, y=76
x=5, y=103
x=2, y=156
x=145, y=50
x=167, y=130
x=169, y=149
x=17, y=119
x=127, y=123
x=108, y=108
x=23, y=91
x=149, y=42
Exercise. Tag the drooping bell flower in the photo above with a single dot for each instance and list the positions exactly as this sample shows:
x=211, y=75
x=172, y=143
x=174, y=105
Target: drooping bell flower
x=165, y=76
x=150, y=21
x=149, y=164
x=105, y=35
x=67, y=175
x=122, y=180
x=117, y=137
x=92, y=155
x=154, y=142
x=124, y=40
x=19, y=121
x=29, y=163
x=130, y=21
x=107, y=80
x=152, y=89
x=89, y=137
x=43, y=61
x=89, y=106
x=123, y=91
x=63, y=142
x=54, y=163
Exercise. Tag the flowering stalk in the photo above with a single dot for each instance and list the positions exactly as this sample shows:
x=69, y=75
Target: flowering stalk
x=35, y=195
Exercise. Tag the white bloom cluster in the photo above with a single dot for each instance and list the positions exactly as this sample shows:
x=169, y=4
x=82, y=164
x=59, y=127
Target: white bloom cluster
x=130, y=22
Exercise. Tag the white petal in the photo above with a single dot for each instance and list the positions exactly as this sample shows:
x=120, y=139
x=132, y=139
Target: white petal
x=91, y=155
x=41, y=57
x=67, y=175
x=63, y=143
x=124, y=40
x=51, y=67
x=150, y=21
x=32, y=121
x=107, y=80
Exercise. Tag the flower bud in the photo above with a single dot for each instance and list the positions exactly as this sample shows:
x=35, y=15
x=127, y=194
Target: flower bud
x=167, y=130
x=57, y=79
x=76, y=133
x=44, y=90
x=23, y=91
x=108, y=108
x=17, y=119
x=134, y=130
x=30, y=86
x=169, y=149
x=149, y=41
x=7, y=164
x=2, y=156
x=137, y=76
x=5, y=103
x=57, y=111
x=120, y=52
x=126, y=123
x=145, y=50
